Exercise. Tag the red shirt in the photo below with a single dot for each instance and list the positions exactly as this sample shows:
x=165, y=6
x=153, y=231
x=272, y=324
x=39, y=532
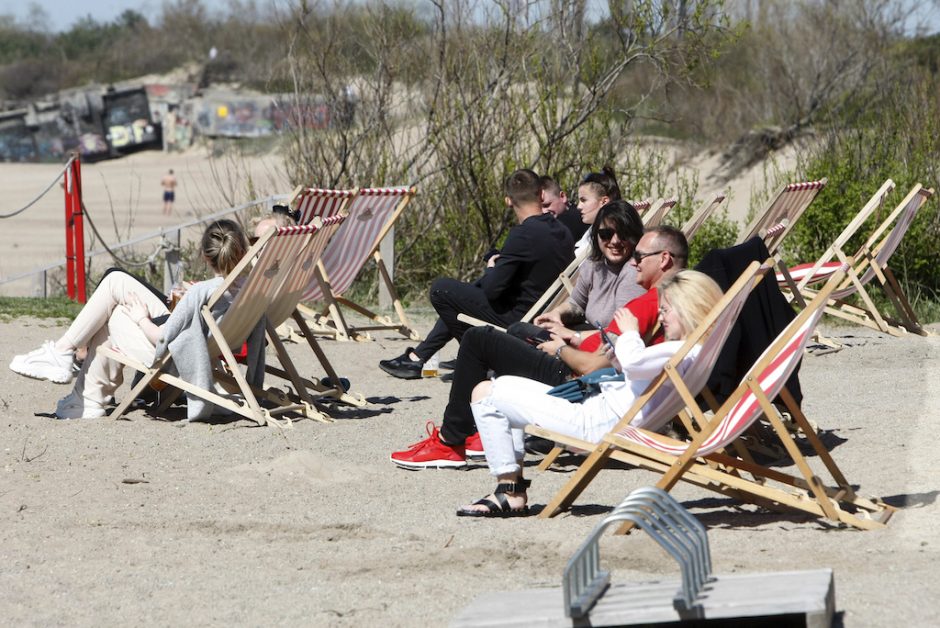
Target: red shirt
x=646, y=310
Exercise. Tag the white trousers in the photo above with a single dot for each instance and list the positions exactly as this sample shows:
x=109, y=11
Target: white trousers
x=104, y=321
x=515, y=402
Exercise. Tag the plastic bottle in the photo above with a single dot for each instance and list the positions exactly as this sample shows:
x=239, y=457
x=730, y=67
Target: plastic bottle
x=429, y=369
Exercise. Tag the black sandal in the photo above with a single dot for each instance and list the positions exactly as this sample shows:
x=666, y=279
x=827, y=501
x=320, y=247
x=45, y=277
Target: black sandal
x=500, y=507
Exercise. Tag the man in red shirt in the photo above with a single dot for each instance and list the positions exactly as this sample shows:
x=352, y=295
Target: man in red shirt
x=660, y=252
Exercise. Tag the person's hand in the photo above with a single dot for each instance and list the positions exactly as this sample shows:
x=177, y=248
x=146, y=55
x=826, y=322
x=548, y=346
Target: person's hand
x=490, y=263
x=551, y=346
x=136, y=309
x=549, y=318
x=626, y=321
x=612, y=358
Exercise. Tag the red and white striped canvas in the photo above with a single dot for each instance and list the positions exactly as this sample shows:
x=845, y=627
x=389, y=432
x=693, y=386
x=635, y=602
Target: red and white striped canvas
x=357, y=238
x=322, y=203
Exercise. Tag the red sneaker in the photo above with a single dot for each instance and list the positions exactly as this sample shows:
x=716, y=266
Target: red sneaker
x=430, y=452
x=474, y=446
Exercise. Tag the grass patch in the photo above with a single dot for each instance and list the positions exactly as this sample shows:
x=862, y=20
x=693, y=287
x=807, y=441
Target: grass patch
x=37, y=307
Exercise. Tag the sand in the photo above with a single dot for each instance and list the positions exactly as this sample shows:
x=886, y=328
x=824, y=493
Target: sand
x=143, y=521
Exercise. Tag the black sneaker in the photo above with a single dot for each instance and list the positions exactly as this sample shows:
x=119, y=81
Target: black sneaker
x=450, y=365
x=538, y=446
x=402, y=367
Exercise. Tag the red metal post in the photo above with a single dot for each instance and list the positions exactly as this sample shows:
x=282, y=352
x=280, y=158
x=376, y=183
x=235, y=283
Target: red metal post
x=69, y=232
x=78, y=229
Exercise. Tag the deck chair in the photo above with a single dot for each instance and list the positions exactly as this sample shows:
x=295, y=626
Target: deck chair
x=372, y=214
x=284, y=306
x=703, y=462
x=669, y=393
x=696, y=220
x=780, y=215
x=871, y=263
x=274, y=255
x=320, y=203
x=658, y=212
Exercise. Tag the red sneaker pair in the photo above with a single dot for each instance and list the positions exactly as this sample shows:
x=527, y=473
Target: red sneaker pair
x=431, y=452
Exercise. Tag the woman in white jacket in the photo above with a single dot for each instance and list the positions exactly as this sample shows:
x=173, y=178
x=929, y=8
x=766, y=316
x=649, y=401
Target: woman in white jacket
x=124, y=314
x=504, y=406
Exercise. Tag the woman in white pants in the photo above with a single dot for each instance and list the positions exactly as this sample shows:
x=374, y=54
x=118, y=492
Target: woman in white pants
x=504, y=406
x=127, y=316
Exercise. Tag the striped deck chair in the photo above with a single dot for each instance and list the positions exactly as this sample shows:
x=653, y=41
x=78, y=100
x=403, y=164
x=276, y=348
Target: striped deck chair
x=703, y=462
x=274, y=255
x=284, y=306
x=371, y=215
x=871, y=263
x=696, y=220
x=661, y=208
x=320, y=203
x=779, y=216
x=668, y=394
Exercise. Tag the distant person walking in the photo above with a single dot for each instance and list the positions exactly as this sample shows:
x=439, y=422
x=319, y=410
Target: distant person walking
x=169, y=191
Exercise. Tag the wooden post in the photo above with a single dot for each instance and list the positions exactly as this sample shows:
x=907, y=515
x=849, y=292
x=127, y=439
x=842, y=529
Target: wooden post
x=172, y=264
x=387, y=250
x=69, y=236
x=78, y=230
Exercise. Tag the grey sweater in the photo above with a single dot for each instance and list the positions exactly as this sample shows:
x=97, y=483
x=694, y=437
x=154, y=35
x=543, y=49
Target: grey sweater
x=602, y=288
x=185, y=335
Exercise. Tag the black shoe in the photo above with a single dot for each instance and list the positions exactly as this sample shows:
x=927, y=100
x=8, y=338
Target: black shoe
x=450, y=365
x=538, y=446
x=402, y=367
x=447, y=377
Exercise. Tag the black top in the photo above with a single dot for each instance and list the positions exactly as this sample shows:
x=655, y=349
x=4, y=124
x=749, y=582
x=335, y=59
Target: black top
x=765, y=314
x=534, y=254
x=571, y=218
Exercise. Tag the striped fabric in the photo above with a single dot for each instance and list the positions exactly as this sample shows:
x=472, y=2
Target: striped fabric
x=356, y=239
x=800, y=272
x=747, y=409
x=788, y=205
x=303, y=271
x=317, y=202
x=274, y=264
x=656, y=416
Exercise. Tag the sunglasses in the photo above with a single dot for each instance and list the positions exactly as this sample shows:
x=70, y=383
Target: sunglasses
x=605, y=233
x=638, y=256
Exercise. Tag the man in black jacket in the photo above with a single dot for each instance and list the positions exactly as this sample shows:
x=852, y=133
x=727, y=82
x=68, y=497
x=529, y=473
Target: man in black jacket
x=533, y=255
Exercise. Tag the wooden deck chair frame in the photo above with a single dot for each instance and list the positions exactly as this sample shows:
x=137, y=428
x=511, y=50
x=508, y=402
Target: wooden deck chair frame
x=656, y=214
x=871, y=263
x=273, y=265
x=284, y=306
x=696, y=220
x=711, y=333
x=775, y=221
x=333, y=280
x=701, y=461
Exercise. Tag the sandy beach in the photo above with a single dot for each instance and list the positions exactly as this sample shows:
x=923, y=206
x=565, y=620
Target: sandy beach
x=145, y=522
x=150, y=523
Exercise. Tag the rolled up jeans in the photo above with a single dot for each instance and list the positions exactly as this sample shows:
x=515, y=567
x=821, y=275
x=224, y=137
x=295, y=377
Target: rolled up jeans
x=515, y=402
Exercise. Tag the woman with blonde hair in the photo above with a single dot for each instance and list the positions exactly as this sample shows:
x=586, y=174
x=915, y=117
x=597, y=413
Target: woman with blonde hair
x=123, y=314
x=504, y=406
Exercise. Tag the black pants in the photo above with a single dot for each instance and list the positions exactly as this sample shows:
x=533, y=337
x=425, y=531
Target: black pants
x=483, y=349
x=450, y=298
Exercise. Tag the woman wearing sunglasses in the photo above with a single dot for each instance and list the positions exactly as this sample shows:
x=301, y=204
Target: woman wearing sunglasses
x=504, y=406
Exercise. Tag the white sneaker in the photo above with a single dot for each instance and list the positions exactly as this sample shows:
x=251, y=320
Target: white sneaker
x=45, y=363
x=74, y=406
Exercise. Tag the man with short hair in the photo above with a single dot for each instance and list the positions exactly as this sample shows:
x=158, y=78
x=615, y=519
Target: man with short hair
x=168, y=182
x=661, y=252
x=535, y=252
x=555, y=202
